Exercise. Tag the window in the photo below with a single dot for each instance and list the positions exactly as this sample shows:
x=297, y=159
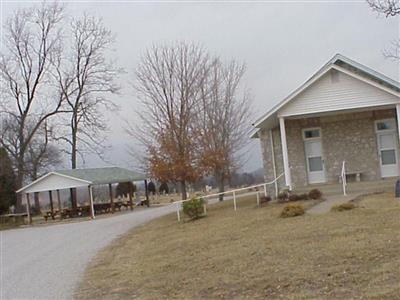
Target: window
x=315, y=164
x=385, y=125
x=311, y=133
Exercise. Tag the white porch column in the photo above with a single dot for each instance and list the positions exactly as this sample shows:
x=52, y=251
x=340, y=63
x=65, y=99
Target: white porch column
x=285, y=155
x=398, y=119
x=271, y=139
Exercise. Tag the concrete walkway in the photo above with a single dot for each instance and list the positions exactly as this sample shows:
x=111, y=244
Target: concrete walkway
x=330, y=201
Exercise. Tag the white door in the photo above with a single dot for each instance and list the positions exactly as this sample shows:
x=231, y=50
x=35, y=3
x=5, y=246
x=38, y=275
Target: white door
x=314, y=158
x=387, y=151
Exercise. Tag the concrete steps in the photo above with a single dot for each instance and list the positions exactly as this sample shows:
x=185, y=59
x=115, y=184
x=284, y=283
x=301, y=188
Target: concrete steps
x=364, y=187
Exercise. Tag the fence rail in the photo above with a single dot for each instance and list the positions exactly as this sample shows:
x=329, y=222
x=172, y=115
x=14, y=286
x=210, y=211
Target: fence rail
x=233, y=192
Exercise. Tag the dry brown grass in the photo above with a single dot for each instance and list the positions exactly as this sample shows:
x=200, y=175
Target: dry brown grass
x=254, y=254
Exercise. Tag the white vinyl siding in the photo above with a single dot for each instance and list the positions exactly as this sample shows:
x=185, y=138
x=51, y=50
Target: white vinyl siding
x=345, y=92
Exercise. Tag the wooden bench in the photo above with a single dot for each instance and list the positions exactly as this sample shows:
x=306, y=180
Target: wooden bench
x=356, y=174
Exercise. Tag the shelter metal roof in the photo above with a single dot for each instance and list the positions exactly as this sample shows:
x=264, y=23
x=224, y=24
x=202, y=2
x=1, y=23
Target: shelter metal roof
x=63, y=179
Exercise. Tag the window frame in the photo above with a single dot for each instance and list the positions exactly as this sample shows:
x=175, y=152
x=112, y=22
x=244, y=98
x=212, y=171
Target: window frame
x=303, y=132
x=385, y=120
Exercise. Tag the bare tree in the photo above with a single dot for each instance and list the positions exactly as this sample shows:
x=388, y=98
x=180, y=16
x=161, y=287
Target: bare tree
x=85, y=78
x=222, y=121
x=32, y=43
x=42, y=154
x=390, y=8
x=386, y=7
x=169, y=83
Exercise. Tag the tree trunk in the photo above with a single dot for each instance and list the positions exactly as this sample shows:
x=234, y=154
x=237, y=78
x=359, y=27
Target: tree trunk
x=183, y=190
x=37, y=204
x=19, y=182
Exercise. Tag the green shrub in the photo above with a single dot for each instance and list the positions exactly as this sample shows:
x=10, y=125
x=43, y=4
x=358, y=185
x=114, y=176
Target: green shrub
x=193, y=208
x=343, y=207
x=292, y=210
x=315, y=194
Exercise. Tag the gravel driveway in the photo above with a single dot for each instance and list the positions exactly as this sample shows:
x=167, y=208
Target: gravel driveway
x=47, y=262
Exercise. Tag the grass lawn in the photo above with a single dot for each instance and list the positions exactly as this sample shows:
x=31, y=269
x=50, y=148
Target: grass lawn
x=254, y=254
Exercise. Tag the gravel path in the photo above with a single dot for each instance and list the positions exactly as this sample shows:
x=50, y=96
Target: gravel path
x=47, y=262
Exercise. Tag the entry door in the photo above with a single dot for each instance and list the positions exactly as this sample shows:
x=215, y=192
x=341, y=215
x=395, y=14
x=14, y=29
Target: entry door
x=314, y=158
x=387, y=147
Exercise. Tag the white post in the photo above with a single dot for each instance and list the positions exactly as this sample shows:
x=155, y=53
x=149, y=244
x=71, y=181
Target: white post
x=398, y=119
x=91, y=201
x=205, y=208
x=265, y=190
x=177, y=211
x=28, y=211
x=398, y=126
x=234, y=200
x=258, y=199
x=285, y=153
x=271, y=138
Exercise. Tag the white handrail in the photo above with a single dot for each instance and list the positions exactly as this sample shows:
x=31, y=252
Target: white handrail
x=343, y=175
x=179, y=202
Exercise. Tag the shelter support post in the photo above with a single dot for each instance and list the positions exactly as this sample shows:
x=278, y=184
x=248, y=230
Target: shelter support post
x=285, y=155
x=92, y=214
x=28, y=208
x=146, y=190
x=111, y=197
x=51, y=205
x=59, y=203
x=130, y=192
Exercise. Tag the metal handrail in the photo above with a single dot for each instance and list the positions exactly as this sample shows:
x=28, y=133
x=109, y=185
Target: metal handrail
x=343, y=175
x=179, y=202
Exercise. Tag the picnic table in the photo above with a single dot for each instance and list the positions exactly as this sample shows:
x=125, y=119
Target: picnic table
x=13, y=218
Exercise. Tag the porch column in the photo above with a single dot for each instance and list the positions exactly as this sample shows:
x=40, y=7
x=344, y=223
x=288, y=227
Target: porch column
x=398, y=119
x=285, y=155
x=91, y=202
x=271, y=139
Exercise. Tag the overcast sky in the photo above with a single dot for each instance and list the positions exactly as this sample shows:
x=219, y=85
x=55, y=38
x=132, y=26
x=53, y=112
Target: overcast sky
x=282, y=45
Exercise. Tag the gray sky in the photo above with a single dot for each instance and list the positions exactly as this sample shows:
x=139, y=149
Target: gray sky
x=282, y=45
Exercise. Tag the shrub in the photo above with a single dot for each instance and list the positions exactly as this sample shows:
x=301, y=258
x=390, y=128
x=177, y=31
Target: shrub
x=294, y=197
x=303, y=196
x=283, y=196
x=315, y=194
x=193, y=208
x=292, y=210
x=265, y=199
x=343, y=207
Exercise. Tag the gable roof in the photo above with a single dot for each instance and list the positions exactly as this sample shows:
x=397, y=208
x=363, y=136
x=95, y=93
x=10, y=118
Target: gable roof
x=103, y=175
x=62, y=179
x=340, y=63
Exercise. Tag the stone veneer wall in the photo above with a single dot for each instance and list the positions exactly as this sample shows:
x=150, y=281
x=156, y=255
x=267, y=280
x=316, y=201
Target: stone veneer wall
x=350, y=137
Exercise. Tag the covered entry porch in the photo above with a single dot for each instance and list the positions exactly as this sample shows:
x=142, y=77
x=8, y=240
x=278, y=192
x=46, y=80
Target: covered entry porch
x=318, y=148
x=82, y=178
